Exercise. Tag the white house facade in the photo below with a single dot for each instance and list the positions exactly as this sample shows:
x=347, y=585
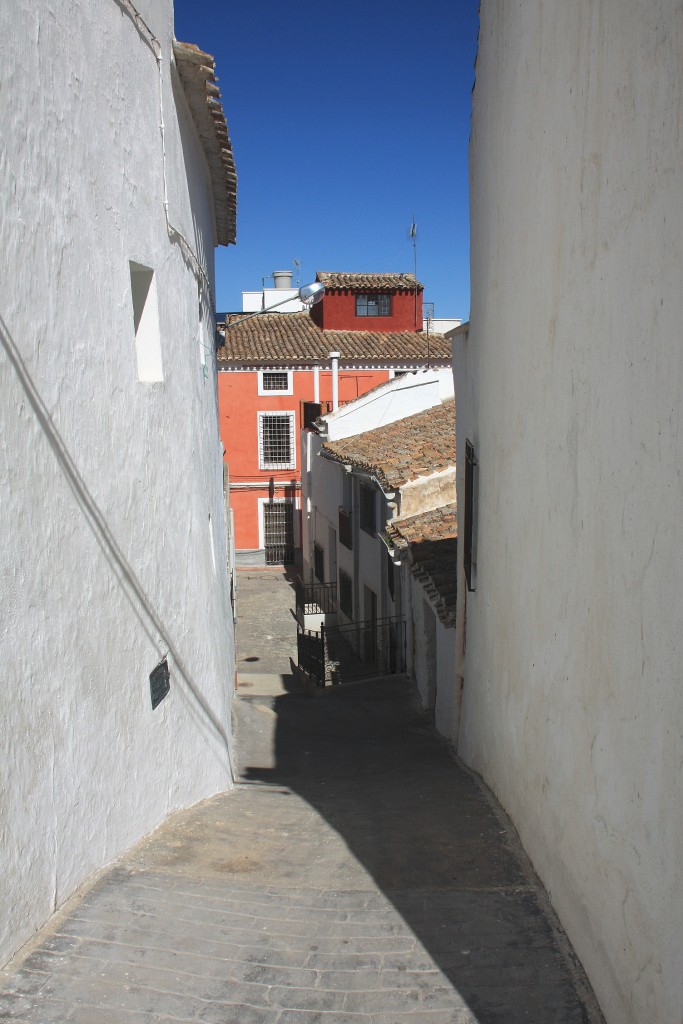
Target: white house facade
x=356, y=487
x=116, y=183
x=568, y=388
x=423, y=548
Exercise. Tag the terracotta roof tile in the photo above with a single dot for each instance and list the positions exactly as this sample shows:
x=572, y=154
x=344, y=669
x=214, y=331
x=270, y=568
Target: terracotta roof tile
x=436, y=525
x=416, y=446
x=431, y=538
x=377, y=282
x=295, y=338
x=196, y=70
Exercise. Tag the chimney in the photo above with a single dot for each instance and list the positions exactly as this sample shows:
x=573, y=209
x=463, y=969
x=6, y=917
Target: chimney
x=335, y=356
x=282, y=278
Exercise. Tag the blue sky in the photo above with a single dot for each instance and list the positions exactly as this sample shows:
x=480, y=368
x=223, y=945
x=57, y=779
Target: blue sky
x=345, y=121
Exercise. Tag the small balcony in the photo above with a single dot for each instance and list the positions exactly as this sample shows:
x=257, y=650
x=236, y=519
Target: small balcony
x=316, y=604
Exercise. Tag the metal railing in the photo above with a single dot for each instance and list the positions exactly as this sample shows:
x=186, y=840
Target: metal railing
x=315, y=598
x=358, y=650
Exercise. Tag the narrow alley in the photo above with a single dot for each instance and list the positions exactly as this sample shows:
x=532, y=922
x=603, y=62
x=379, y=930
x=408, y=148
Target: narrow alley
x=357, y=874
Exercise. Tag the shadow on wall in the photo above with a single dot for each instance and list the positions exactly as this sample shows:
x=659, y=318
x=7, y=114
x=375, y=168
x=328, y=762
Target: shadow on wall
x=427, y=831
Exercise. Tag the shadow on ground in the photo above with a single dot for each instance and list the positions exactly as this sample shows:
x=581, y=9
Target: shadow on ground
x=427, y=831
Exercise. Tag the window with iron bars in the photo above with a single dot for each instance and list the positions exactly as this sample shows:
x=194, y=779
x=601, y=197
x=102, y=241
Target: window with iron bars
x=373, y=305
x=345, y=594
x=277, y=382
x=276, y=440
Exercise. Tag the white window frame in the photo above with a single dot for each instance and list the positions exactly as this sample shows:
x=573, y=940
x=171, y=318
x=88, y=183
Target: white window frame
x=277, y=466
x=266, y=392
x=296, y=502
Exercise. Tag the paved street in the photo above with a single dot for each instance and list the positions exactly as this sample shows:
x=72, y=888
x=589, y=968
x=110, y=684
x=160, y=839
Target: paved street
x=356, y=875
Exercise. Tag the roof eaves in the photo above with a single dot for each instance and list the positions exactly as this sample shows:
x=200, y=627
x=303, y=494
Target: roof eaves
x=196, y=70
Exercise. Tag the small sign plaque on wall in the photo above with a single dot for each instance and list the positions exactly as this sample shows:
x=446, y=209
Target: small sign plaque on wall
x=159, y=683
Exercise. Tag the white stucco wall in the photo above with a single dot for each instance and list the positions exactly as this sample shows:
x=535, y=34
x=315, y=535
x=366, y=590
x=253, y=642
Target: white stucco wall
x=112, y=552
x=398, y=398
x=431, y=657
x=571, y=707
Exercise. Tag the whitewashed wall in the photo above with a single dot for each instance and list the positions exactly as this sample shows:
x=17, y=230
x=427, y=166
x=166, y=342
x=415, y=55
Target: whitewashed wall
x=112, y=551
x=402, y=396
x=572, y=695
x=430, y=656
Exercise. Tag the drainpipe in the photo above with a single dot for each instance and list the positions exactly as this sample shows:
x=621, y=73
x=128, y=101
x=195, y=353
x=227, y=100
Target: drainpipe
x=335, y=356
x=316, y=383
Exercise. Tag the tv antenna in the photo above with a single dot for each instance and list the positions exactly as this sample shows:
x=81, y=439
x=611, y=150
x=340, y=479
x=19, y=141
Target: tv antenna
x=297, y=264
x=412, y=235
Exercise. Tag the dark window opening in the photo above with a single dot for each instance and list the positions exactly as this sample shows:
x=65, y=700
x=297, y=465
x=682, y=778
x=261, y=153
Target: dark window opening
x=391, y=586
x=345, y=529
x=469, y=559
x=373, y=305
x=319, y=563
x=345, y=594
x=368, y=519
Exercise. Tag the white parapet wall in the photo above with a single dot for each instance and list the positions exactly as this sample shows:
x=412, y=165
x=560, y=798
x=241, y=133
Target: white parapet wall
x=569, y=387
x=112, y=551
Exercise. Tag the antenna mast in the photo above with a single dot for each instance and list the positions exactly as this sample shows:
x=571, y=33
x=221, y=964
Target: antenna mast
x=413, y=235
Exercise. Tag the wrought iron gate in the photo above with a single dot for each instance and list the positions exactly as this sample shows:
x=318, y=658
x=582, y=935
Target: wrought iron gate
x=311, y=653
x=278, y=532
x=358, y=650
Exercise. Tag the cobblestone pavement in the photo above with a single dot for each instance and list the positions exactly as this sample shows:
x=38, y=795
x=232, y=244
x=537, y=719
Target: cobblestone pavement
x=357, y=874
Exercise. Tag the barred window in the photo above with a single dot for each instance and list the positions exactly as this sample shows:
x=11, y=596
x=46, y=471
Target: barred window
x=276, y=440
x=373, y=305
x=278, y=382
x=345, y=594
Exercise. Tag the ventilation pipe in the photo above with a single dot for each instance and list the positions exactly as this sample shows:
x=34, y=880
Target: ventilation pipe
x=335, y=356
x=316, y=383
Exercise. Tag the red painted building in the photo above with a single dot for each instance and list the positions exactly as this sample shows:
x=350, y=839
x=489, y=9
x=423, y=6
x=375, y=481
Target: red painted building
x=277, y=370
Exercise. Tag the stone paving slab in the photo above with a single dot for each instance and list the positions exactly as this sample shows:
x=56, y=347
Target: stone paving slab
x=357, y=874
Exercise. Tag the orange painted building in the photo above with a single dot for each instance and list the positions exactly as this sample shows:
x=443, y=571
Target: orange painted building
x=278, y=371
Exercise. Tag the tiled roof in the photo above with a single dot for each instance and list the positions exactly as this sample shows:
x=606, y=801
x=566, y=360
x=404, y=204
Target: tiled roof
x=431, y=538
x=376, y=282
x=196, y=71
x=417, y=446
x=435, y=525
x=294, y=338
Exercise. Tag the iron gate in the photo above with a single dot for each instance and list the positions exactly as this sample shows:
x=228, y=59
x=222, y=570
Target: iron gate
x=278, y=532
x=358, y=650
x=310, y=648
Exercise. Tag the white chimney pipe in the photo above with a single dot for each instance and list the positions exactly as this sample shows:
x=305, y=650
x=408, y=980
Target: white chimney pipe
x=316, y=383
x=335, y=357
